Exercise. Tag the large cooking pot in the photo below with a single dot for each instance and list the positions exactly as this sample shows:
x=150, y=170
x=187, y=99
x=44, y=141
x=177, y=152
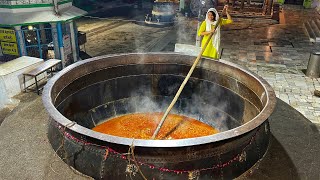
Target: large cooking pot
x=219, y=93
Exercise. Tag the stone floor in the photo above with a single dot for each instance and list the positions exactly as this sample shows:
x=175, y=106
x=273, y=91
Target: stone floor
x=278, y=52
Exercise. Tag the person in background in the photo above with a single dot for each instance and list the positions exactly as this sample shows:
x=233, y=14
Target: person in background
x=207, y=27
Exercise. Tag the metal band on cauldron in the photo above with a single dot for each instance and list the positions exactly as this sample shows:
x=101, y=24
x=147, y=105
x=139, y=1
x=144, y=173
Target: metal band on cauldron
x=109, y=150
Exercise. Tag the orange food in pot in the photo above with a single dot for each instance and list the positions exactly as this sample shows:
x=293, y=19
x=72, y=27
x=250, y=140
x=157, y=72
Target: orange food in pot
x=143, y=125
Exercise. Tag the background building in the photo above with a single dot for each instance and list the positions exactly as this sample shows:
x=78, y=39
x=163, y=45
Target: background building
x=39, y=28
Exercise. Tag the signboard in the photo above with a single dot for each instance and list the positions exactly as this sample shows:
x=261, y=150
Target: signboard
x=66, y=50
x=7, y=35
x=9, y=48
x=8, y=42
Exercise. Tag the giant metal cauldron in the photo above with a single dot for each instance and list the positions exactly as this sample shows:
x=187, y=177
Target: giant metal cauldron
x=218, y=93
x=162, y=14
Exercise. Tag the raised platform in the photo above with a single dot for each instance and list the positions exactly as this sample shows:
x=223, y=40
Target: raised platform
x=187, y=49
x=11, y=79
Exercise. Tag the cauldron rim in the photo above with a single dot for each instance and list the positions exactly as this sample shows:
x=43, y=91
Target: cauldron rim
x=242, y=129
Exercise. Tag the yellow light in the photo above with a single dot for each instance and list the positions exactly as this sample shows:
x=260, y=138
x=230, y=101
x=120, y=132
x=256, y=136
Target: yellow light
x=30, y=27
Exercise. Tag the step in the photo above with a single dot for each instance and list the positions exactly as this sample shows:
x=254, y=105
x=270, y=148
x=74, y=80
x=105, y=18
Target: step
x=315, y=29
x=317, y=21
x=259, y=1
x=252, y=1
x=309, y=31
x=251, y=4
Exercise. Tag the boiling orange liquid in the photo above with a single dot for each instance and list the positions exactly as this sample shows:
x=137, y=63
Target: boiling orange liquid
x=143, y=125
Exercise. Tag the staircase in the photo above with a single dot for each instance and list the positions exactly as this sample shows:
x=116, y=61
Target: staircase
x=247, y=4
x=312, y=28
x=249, y=8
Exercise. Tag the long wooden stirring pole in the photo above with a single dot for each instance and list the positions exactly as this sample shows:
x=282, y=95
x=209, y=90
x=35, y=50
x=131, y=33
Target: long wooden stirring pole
x=183, y=83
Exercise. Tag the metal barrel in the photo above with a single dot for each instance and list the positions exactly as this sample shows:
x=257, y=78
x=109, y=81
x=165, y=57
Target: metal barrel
x=313, y=69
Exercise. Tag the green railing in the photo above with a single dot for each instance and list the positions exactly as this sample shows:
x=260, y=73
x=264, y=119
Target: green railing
x=11, y=4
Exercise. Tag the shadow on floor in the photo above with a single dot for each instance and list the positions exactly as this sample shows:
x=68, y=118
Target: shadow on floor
x=83, y=55
x=294, y=149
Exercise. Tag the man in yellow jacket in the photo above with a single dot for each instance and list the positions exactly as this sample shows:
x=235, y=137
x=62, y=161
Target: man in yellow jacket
x=207, y=27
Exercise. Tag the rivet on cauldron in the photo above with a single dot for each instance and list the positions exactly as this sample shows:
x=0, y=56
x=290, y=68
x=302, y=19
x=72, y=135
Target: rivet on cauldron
x=262, y=95
x=243, y=156
x=193, y=175
x=131, y=169
x=266, y=128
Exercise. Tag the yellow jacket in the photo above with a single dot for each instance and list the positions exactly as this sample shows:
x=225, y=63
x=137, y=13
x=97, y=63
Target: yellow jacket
x=210, y=51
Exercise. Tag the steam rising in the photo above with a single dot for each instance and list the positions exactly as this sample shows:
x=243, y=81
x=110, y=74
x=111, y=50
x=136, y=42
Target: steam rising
x=206, y=105
x=198, y=106
x=146, y=104
x=183, y=34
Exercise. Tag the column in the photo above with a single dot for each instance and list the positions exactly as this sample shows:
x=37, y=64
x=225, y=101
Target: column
x=20, y=41
x=43, y=34
x=269, y=7
x=77, y=40
x=55, y=41
x=56, y=7
x=181, y=5
x=44, y=42
x=198, y=38
x=242, y=5
x=73, y=42
x=60, y=43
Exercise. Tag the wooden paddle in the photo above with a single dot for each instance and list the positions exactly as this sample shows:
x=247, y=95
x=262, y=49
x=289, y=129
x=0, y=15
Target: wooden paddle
x=184, y=83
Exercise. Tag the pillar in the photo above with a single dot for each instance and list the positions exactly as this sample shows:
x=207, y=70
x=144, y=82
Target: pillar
x=20, y=41
x=198, y=38
x=242, y=5
x=60, y=43
x=43, y=34
x=73, y=38
x=269, y=7
x=77, y=40
x=55, y=41
x=56, y=7
x=181, y=6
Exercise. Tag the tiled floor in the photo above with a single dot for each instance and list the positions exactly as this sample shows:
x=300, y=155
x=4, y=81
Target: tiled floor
x=279, y=53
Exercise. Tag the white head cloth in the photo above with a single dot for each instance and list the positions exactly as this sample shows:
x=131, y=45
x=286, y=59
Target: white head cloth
x=216, y=35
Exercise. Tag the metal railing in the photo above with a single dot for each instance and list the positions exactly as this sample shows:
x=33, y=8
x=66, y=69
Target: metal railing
x=28, y=2
x=38, y=42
